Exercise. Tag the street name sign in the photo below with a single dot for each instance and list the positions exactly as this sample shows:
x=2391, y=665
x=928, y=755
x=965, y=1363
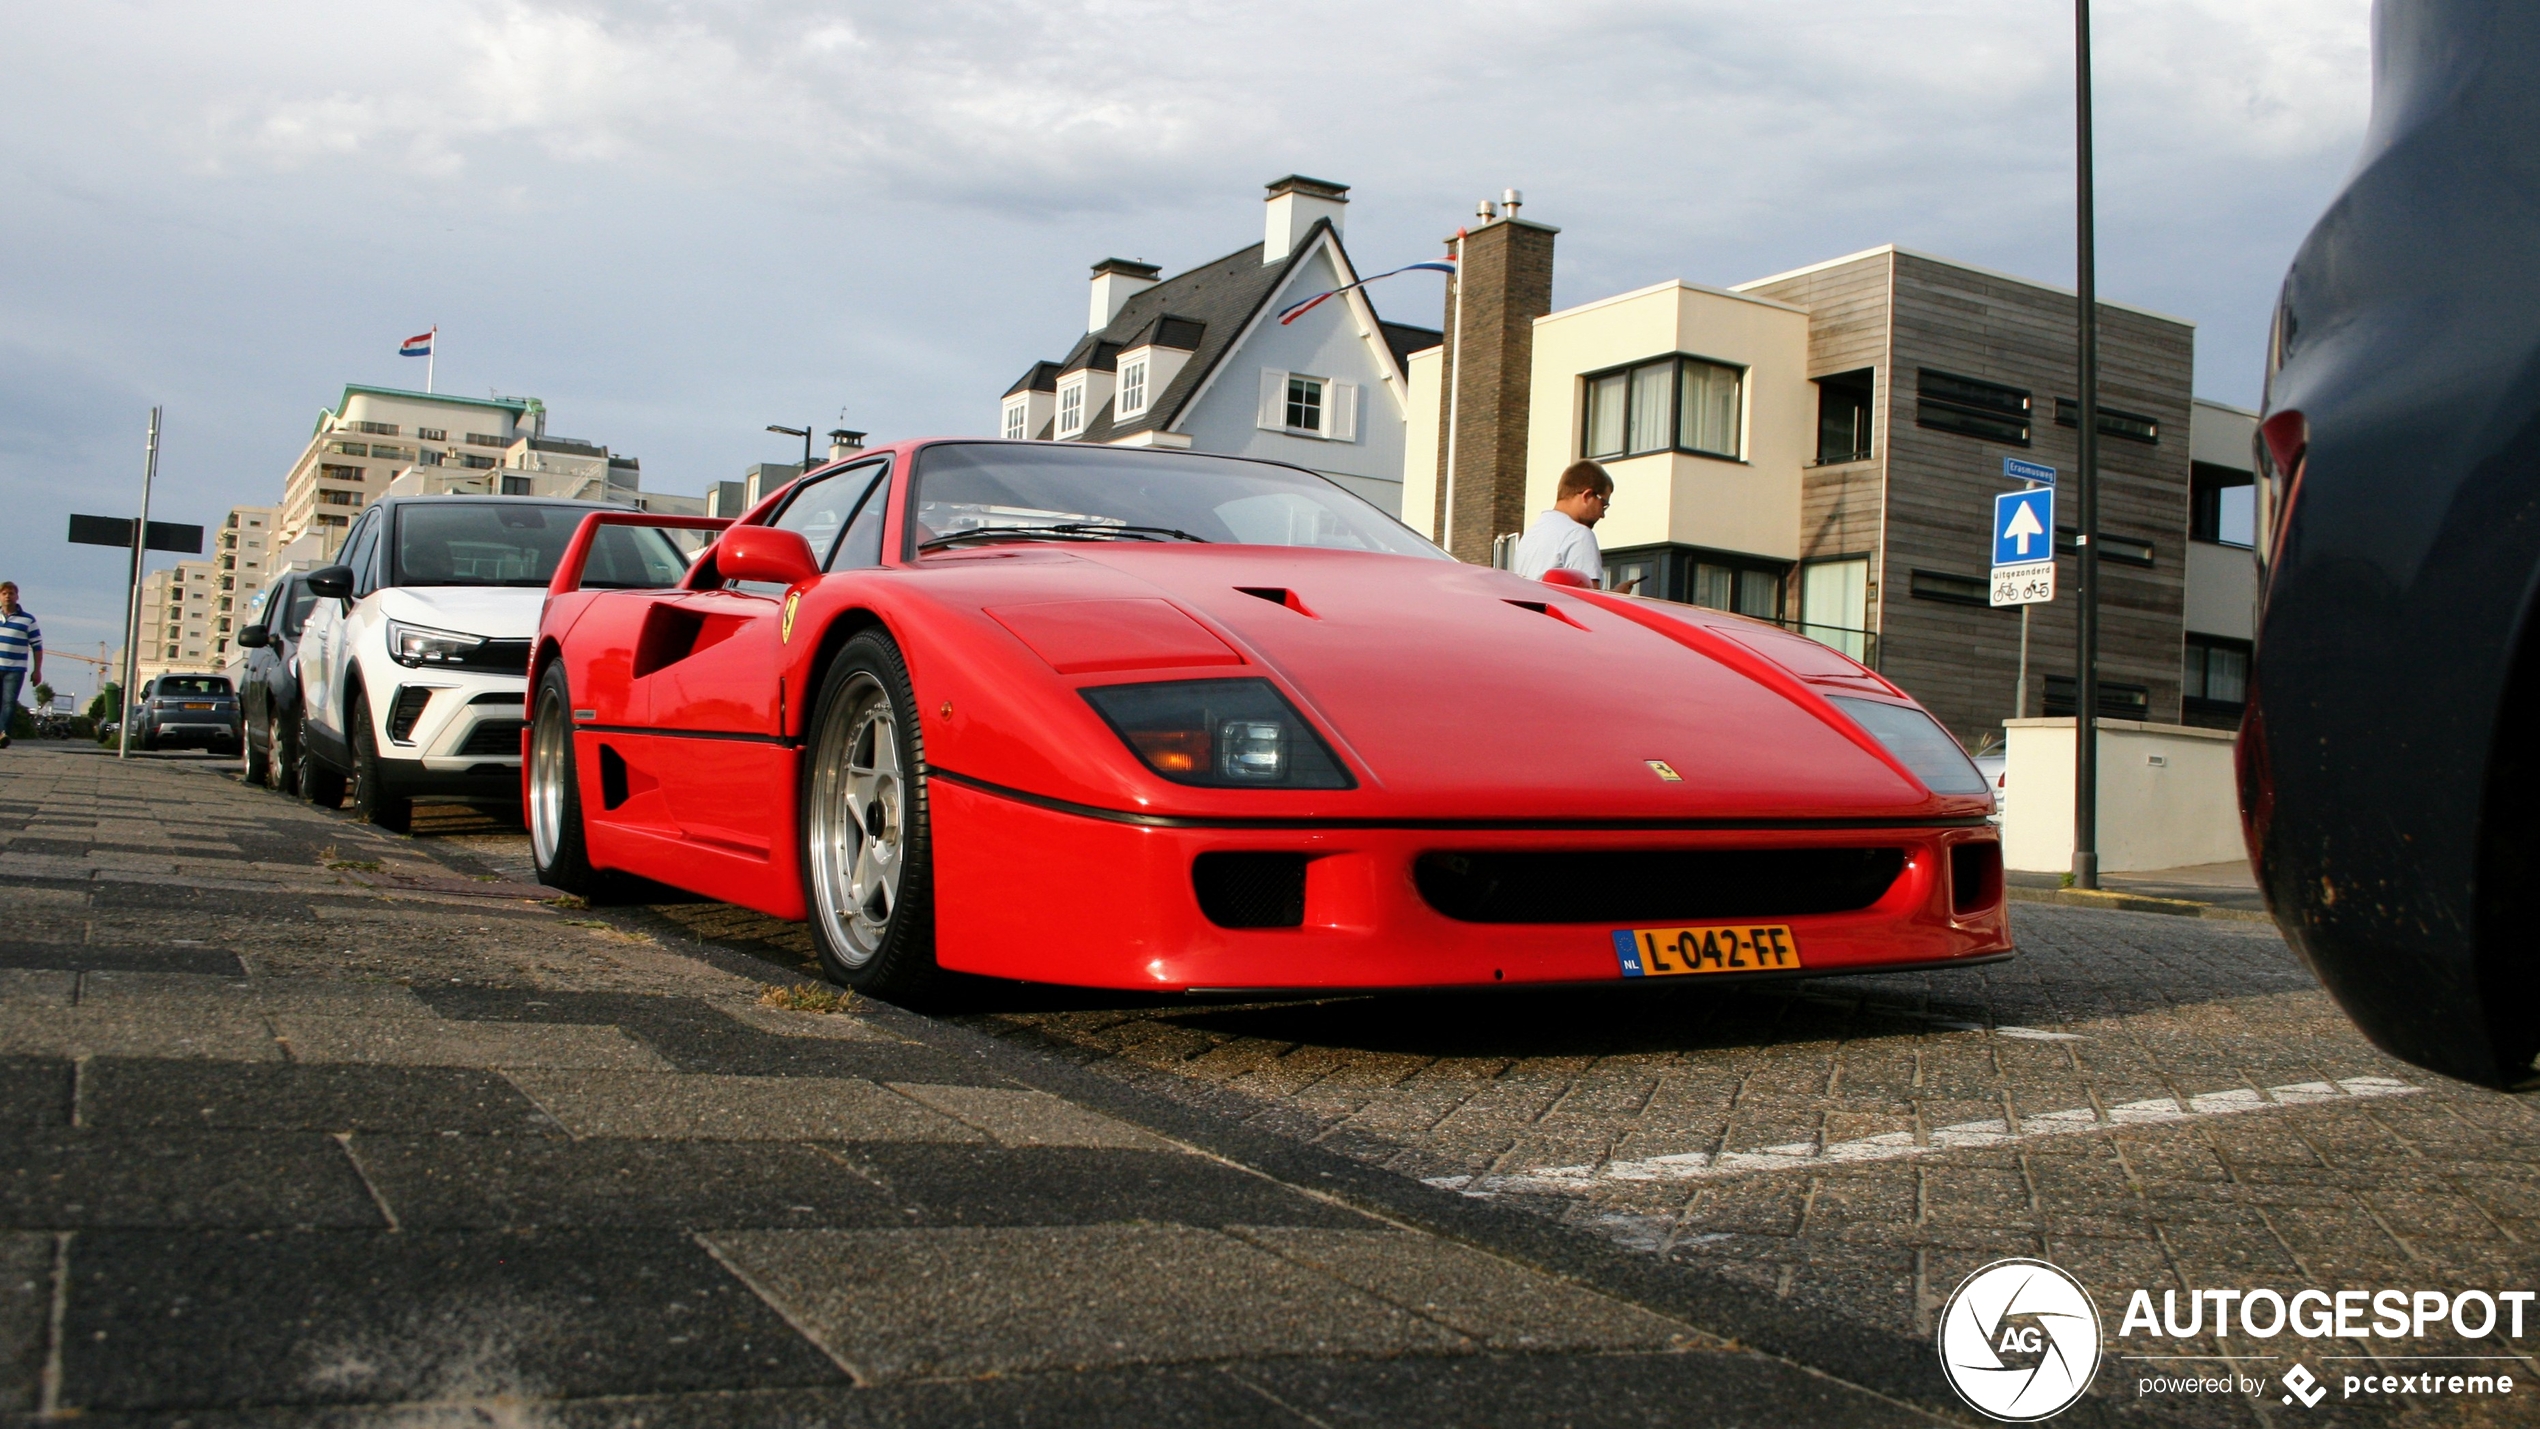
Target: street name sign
x=2018, y=470
x=117, y=531
x=2024, y=526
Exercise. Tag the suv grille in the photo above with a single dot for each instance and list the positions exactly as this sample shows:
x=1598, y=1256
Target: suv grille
x=509, y=657
x=495, y=736
x=1654, y=885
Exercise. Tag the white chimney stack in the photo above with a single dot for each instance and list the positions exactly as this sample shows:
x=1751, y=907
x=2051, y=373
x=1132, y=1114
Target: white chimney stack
x=1116, y=281
x=1294, y=204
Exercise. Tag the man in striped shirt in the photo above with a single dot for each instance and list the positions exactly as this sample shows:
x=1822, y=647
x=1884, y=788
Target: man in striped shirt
x=21, y=654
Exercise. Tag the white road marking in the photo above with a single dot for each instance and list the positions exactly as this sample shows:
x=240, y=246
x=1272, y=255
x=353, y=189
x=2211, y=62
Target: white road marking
x=1799, y=1155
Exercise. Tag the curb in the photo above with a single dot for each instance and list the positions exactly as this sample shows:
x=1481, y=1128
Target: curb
x=2134, y=903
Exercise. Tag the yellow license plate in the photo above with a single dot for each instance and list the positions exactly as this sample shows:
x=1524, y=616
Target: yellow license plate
x=198, y=707
x=1715, y=948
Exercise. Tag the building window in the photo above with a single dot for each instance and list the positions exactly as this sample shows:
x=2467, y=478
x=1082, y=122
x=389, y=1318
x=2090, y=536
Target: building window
x=431, y=434
x=326, y=519
x=474, y=462
x=2222, y=505
x=340, y=473
x=2124, y=550
x=2116, y=701
x=1016, y=414
x=1954, y=589
x=1675, y=403
x=1304, y=411
x=328, y=496
x=2131, y=426
x=483, y=439
x=2216, y=683
x=1971, y=407
x=377, y=429
x=1843, y=416
x=1834, y=604
x=430, y=457
x=349, y=448
x=1133, y=387
x=1719, y=580
x=516, y=486
x=1071, y=407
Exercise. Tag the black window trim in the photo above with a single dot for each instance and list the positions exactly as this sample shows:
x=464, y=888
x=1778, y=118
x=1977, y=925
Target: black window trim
x=1976, y=407
x=1675, y=408
x=2123, y=550
x=1950, y=588
x=881, y=465
x=2112, y=422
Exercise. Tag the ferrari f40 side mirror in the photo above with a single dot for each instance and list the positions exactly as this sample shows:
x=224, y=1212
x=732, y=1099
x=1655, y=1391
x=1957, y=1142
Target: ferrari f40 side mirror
x=764, y=553
x=330, y=582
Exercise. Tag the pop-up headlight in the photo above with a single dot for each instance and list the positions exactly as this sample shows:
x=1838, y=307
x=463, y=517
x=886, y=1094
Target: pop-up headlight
x=421, y=645
x=1918, y=742
x=1223, y=734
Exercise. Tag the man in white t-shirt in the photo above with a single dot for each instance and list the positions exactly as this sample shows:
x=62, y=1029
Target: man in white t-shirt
x=1565, y=536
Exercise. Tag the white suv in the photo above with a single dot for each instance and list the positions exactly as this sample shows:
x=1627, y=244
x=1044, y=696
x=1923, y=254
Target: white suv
x=414, y=658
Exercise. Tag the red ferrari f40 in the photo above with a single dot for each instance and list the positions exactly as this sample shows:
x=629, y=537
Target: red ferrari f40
x=1158, y=720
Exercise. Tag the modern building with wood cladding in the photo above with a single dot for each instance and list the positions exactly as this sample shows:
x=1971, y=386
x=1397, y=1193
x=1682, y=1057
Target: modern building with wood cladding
x=1821, y=448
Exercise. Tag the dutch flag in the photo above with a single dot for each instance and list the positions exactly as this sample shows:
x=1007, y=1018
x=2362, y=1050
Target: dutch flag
x=420, y=345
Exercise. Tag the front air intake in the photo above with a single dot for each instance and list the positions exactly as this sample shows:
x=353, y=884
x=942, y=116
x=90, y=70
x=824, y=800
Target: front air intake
x=1654, y=885
x=406, y=711
x=1251, y=890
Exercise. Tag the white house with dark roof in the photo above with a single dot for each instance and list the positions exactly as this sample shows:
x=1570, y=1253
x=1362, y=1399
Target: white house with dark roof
x=1200, y=360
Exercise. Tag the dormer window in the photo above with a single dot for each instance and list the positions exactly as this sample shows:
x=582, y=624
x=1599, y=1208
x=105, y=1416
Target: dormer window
x=1071, y=407
x=1133, y=387
x=1017, y=415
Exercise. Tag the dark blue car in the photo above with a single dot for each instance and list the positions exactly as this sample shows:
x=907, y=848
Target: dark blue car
x=269, y=685
x=2390, y=778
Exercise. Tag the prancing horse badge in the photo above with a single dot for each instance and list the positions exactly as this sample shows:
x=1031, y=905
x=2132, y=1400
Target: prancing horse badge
x=785, y=626
x=1659, y=768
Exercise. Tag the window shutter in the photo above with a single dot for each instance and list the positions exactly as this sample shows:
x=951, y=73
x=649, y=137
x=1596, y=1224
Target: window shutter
x=1340, y=421
x=1274, y=400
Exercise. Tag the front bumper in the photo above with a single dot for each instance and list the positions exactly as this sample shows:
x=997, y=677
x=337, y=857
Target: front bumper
x=1044, y=895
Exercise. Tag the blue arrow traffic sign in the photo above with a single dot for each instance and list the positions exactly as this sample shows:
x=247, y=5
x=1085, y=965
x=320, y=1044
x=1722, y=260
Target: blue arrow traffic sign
x=2018, y=470
x=2024, y=526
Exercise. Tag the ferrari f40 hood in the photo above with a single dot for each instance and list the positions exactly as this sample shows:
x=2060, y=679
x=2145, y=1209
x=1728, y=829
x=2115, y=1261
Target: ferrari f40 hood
x=1460, y=692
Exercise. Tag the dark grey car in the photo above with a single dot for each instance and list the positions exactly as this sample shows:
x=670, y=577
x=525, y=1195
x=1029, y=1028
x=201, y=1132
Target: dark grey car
x=269, y=685
x=188, y=712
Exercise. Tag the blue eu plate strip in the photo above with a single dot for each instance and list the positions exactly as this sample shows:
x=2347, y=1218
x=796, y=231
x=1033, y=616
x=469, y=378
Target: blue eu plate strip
x=1628, y=949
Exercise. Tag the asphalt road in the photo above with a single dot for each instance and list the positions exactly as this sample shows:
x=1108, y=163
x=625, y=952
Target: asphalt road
x=286, y=1086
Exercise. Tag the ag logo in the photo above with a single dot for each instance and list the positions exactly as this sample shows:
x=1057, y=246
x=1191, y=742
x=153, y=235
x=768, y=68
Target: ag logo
x=2019, y=1340
x=785, y=626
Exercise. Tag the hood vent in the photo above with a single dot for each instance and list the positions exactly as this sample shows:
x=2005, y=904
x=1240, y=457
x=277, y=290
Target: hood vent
x=1540, y=607
x=1278, y=595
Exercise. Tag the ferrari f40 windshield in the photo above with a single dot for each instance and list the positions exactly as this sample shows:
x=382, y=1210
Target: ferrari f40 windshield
x=1013, y=491
x=517, y=543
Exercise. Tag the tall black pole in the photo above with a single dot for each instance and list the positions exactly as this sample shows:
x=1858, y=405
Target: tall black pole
x=2086, y=677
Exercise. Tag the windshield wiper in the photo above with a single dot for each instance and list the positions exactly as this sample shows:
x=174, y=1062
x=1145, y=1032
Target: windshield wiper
x=1065, y=531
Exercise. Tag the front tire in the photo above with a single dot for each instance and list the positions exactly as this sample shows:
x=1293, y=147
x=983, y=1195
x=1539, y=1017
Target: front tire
x=282, y=754
x=868, y=870
x=372, y=802
x=556, y=846
x=259, y=768
x=318, y=784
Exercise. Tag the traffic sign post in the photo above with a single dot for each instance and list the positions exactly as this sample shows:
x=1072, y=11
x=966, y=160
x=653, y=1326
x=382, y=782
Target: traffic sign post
x=2024, y=557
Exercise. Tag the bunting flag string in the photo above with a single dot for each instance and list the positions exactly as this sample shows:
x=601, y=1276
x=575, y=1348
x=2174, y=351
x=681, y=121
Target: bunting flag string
x=1293, y=311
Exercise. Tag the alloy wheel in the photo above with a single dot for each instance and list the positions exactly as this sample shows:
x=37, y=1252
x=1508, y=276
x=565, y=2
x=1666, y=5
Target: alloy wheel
x=548, y=743
x=858, y=820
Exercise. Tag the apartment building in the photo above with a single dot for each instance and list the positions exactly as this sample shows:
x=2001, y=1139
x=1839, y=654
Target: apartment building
x=372, y=434
x=180, y=620
x=1822, y=447
x=243, y=563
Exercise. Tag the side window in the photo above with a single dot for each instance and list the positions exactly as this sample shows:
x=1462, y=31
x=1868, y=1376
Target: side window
x=361, y=552
x=820, y=510
x=862, y=547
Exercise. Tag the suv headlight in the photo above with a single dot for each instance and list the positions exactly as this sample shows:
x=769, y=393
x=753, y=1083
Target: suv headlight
x=417, y=646
x=1220, y=734
x=1919, y=743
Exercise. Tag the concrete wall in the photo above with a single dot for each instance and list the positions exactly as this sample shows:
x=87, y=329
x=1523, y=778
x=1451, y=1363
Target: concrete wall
x=2222, y=590
x=1749, y=505
x=2179, y=811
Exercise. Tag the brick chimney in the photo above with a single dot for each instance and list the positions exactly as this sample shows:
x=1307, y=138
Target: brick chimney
x=1486, y=378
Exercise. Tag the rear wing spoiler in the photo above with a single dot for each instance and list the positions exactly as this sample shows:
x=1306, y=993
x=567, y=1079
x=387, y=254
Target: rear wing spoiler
x=577, y=552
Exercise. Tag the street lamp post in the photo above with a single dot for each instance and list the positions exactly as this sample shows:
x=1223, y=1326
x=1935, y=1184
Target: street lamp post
x=804, y=432
x=2086, y=675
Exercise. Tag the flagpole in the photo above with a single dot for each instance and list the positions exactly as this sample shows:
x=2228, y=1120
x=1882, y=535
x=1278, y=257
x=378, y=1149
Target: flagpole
x=431, y=355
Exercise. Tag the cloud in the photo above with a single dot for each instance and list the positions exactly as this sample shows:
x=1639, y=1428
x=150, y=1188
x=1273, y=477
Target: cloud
x=678, y=220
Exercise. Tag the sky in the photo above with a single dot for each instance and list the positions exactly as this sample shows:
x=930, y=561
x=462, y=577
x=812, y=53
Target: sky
x=676, y=223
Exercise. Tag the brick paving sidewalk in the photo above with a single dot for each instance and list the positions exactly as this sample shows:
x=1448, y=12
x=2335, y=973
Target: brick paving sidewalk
x=305, y=1122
